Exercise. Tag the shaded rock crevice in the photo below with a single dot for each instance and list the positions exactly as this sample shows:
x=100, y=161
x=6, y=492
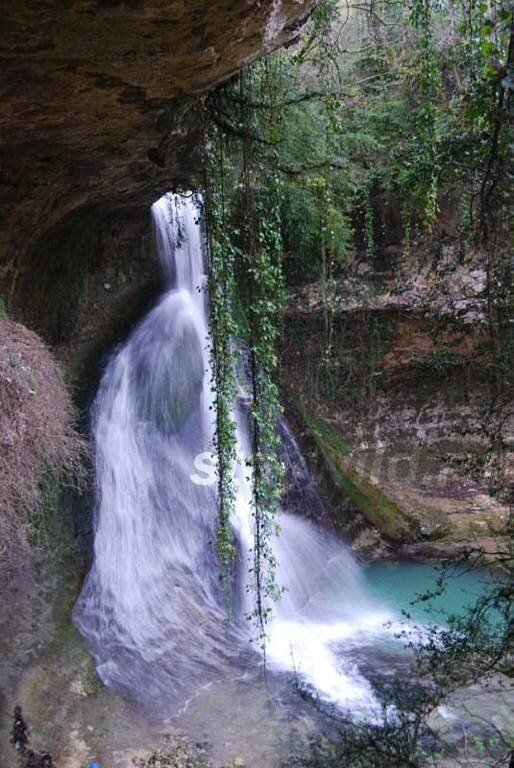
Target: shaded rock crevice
x=85, y=284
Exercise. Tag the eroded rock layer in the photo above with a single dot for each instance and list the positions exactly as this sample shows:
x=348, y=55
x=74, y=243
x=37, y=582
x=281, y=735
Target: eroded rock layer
x=96, y=100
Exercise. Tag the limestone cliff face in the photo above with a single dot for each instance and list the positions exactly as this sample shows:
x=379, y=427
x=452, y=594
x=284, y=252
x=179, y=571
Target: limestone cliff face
x=405, y=418
x=96, y=101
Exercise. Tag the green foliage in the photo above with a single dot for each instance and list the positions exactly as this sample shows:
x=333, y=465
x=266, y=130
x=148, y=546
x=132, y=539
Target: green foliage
x=266, y=291
x=388, y=101
x=224, y=332
x=246, y=241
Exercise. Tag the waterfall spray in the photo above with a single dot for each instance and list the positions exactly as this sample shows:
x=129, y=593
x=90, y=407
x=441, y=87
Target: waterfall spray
x=152, y=608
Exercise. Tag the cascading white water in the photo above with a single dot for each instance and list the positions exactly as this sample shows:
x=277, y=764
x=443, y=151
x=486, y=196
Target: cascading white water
x=151, y=608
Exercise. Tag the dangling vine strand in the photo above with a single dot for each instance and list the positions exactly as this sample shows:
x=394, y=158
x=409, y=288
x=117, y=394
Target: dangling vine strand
x=221, y=294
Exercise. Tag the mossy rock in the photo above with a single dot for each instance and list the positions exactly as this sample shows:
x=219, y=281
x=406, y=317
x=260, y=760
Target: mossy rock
x=379, y=510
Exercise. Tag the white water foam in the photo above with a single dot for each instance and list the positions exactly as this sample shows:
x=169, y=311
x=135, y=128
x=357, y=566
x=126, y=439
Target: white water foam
x=152, y=609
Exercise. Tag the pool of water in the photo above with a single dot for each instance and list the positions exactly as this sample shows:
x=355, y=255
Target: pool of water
x=398, y=587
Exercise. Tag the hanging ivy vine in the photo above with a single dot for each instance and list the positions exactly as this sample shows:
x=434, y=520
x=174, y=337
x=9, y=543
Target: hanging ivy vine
x=224, y=331
x=266, y=290
x=249, y=228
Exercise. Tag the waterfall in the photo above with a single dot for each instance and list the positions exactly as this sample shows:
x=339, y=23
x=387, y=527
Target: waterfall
x=151, y=608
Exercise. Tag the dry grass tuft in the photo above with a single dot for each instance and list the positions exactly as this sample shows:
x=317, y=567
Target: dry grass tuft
x=37, y=440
